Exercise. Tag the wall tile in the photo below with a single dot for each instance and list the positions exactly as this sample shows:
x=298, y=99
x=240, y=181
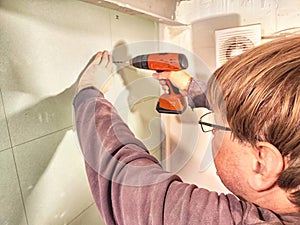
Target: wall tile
x=90, y=216
x=45, y=45
x=11, y=206
x=53, y=179
x=4, y=137
x=47, y=116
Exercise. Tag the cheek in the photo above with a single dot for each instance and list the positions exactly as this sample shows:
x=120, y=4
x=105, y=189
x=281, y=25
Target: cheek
x=230, y=162
x=220, y=156
x=215, y=149
x=225, y=167
x=223, y=155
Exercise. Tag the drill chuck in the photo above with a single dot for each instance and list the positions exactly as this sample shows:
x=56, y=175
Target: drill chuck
x=140, y=61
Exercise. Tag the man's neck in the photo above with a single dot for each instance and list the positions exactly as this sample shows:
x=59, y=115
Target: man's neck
x=276, y=200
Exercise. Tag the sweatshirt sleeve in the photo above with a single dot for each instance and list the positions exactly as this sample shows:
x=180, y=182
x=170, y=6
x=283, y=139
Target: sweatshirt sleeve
x=128, y=184
x=197, y=94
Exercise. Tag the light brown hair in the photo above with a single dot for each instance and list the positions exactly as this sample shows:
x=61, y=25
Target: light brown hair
x=260, y=92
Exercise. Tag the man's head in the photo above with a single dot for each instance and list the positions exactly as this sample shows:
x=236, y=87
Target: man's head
x=258, y=93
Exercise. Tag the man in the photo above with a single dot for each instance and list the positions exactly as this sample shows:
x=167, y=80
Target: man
x=255, y=98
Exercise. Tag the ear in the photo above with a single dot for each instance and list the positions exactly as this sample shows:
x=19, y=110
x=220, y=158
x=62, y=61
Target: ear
x=267, y=164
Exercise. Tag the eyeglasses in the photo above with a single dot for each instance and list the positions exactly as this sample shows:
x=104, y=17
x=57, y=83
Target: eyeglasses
x=207, y=122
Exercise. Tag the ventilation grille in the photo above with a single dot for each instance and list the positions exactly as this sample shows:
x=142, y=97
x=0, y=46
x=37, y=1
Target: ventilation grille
x=234, y=41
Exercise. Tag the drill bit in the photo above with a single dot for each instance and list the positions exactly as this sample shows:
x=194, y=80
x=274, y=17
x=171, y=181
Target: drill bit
x=121, y=62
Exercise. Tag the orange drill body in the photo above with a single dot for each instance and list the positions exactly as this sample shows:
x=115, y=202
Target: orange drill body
x=173, y=102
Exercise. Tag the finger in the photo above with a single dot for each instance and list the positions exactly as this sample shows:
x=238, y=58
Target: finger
x=110, y=65
x=94, y=60
x=155, y=76
x=109, y=59
x=162, y=75
x=97, y=58
x=165, y=88
x=162, y=82
x=104, y=59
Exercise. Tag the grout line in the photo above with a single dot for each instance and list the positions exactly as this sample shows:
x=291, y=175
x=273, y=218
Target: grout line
x=19, y=182
x=81, y=213
x=42, y=136
x=13, y=154
x=14, y=158
x=5, y=149
x=6, y=120
x=110, y=29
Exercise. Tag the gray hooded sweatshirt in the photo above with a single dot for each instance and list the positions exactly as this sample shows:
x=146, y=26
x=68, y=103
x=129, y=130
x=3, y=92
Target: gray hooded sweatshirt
x=129, y=185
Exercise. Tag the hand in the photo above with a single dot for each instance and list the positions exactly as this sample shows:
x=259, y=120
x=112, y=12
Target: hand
x=98, y=74
x=179, y=79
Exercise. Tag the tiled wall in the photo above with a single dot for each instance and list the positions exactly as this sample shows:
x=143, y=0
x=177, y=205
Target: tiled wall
x=44, y=46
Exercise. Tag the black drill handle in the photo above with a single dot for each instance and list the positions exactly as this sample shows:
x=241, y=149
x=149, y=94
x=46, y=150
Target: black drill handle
x=172, y=88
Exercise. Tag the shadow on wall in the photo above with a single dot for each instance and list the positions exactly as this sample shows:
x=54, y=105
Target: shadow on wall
x=38, y=62
x=50, y=166
x=142, y=93
x=53, y=182
x=59, y=191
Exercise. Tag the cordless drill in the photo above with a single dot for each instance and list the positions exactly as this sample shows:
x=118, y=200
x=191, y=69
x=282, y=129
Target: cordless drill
x=172, y=102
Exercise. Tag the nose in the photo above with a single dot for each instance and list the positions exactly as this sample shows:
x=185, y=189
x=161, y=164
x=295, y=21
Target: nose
x=214, y=131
